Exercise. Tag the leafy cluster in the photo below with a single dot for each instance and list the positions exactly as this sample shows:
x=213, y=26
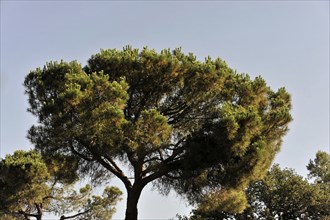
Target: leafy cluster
x=29, y=187
x=282, y=194
x=23, y=182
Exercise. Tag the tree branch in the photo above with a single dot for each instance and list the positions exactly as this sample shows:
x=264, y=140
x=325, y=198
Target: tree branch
x=110, y=165
x=80, y=155
x=152, y=159
x=175, y=152
x=48, y=197
x=26, y=215
x=113, y=163
x=120, y=175
x=73, y=216
x=173, y=111
x=39, y=208
x=166, y=169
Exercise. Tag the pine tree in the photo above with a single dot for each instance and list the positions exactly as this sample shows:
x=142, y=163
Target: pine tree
x=195, y=127
x=29, y=187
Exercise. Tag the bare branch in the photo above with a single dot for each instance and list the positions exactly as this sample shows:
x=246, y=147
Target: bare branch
x=48, y=197
x=106, y=162
x=152, y=159
x=114, y=164
x=26, y=215
x=120, y=175
x=166, y=168
x=73, y=216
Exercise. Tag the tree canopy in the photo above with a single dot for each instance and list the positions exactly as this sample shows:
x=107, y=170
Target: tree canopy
x=183, y=124
x=282, y=194
x=319, y=168
x=29, y=188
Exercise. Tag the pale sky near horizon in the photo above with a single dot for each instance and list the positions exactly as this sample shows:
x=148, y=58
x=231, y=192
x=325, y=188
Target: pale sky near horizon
x=286, y=42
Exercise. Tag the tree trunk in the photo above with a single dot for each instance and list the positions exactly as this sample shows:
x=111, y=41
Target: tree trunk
x=133, y=196
x=39, y=209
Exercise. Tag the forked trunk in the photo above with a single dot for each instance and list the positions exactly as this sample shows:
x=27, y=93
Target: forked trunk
x=133, y=196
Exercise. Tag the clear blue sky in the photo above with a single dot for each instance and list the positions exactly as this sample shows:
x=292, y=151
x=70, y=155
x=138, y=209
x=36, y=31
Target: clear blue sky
x=287, y=42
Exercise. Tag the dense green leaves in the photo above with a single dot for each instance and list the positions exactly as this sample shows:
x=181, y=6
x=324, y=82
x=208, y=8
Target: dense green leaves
x=320, y=167
x=319, y=170
x=23, y=181
x=193, y=126
x=285, y=193
x=29, y=187
x=282, y=194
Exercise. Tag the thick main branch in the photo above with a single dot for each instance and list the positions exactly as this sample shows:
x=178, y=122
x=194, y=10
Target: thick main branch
x=113, y=170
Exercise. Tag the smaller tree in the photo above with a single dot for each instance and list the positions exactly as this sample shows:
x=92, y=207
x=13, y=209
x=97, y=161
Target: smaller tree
x=29, y=187
x=282, y=194
x=319, y=168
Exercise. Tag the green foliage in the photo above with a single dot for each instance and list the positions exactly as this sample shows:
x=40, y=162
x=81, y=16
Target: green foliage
x=62, y=169
x=190, y=125
x=320, y=167
x=29, y=187
x=281, y=193
x=101, y=207
x=90, y=206
x=285, y=193
x=23, y=178
x=288, y=195
x=223, y=201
